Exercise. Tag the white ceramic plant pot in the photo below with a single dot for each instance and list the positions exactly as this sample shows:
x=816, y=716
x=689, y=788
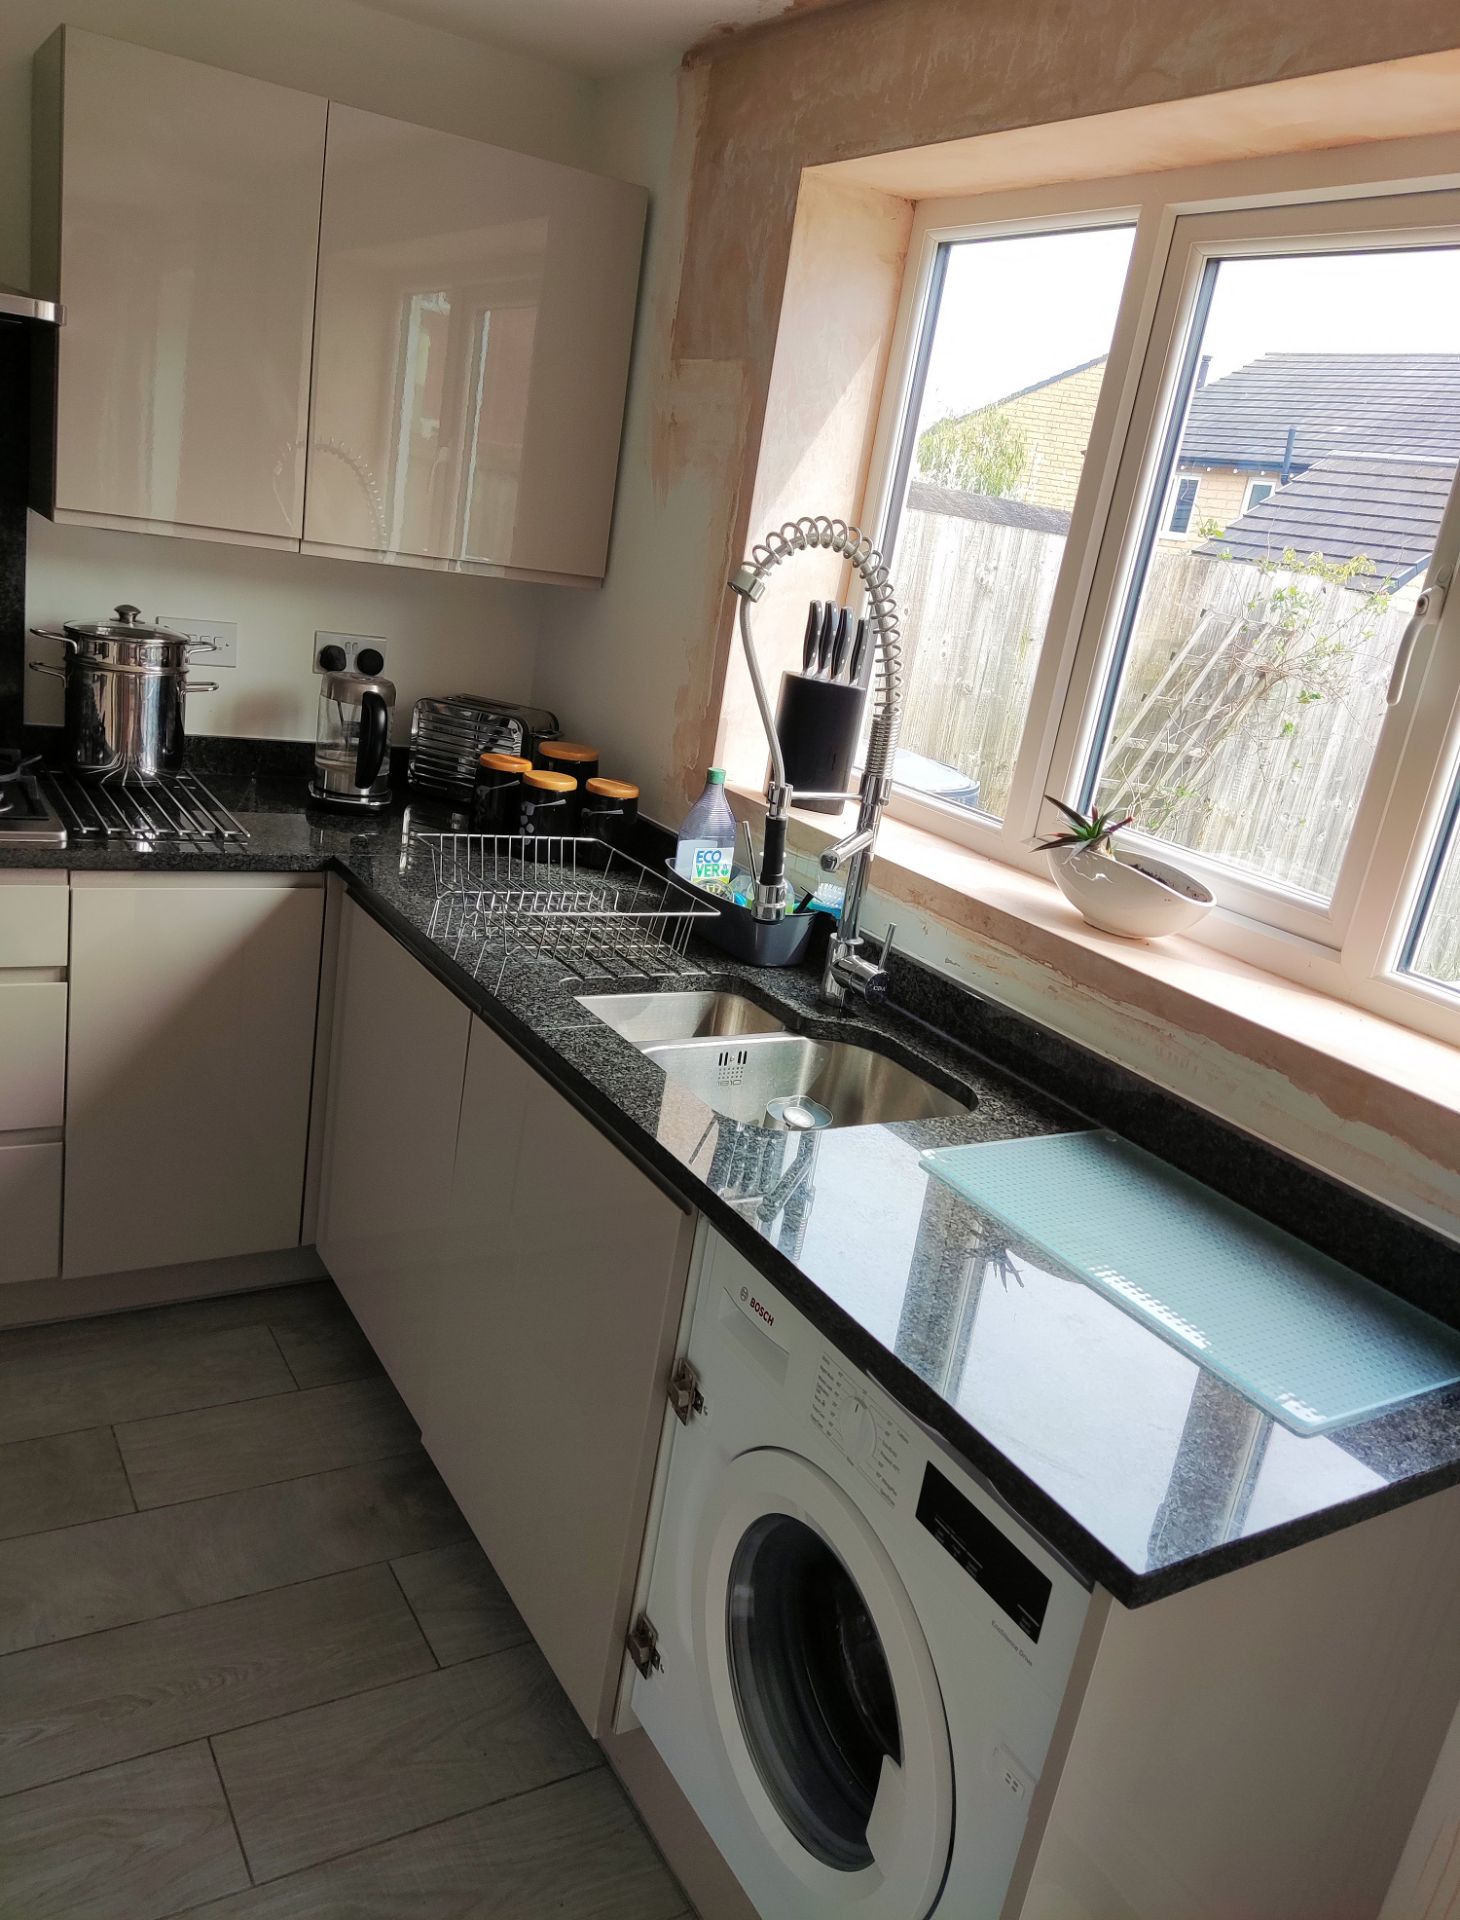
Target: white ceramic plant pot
x=1128, y=893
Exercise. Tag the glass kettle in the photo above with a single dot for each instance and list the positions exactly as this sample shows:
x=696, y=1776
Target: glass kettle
x=352, y=739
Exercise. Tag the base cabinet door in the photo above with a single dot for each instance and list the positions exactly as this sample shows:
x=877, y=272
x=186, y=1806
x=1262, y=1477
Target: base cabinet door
x=30, y=1210
x=398, y=1056
x=546, y=1393
x=189, y=1061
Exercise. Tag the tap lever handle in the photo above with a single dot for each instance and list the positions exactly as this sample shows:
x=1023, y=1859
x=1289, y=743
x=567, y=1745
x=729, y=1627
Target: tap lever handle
x=887, y=940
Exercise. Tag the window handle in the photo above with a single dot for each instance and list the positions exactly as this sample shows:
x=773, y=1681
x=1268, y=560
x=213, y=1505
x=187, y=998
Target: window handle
x=1429, y=606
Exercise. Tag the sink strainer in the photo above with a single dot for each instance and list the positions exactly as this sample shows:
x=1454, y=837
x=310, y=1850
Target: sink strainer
x=796, y=1113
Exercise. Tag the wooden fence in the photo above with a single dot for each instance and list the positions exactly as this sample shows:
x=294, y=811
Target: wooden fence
x=1249, y=710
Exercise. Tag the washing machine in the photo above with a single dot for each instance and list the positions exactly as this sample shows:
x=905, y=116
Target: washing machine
x=849, y=1654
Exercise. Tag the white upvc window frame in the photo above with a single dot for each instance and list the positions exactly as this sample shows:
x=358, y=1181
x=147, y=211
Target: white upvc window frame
x=1348, y=947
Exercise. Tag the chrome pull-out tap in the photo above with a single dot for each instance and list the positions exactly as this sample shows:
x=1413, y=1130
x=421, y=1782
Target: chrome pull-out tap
x=845, y=967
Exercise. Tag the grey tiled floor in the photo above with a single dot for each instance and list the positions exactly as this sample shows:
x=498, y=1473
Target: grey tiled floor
x=252, y=1665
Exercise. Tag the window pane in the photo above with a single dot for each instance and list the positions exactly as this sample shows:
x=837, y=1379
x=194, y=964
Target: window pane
x=1318, y=443
x=1017, y=356
x=1435, y=949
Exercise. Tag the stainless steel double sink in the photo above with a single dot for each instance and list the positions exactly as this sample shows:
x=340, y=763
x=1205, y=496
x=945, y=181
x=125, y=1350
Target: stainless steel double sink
x=740, y=1061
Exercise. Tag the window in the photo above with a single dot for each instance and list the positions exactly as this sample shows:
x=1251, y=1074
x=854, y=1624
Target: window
x=1183, y=501
x=989, y=466
x=1171, y=508
x=1247, y=683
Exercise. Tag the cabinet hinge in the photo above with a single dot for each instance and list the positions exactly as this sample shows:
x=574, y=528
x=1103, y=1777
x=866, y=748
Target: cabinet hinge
x=684, y=1392
x=643, y=1645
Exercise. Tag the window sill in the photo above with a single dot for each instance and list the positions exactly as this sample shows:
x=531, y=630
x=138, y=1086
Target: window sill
x=1364, y=1070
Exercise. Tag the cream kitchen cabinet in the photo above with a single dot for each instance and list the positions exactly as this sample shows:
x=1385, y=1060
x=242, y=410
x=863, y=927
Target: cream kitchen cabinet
x=34, y=938
x=472, y=334
x=552, y=1327
x=190, y=1056
x=469, y=333
x=398, y=1057
x=177, y=219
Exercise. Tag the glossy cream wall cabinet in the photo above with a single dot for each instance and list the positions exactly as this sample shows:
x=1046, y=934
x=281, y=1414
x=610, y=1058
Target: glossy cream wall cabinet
x=178, y=220
x=397, y=1061
x=472, y=334
x=469, y=335
x=34, y=939
x=190, y=1057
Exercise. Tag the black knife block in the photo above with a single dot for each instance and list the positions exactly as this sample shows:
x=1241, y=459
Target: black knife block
x=819, y=722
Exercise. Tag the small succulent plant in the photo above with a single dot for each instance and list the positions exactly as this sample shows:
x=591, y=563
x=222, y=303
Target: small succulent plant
x=1090, y=830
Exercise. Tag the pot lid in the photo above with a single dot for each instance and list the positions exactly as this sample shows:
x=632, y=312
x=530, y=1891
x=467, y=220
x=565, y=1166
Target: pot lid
x=128, y=625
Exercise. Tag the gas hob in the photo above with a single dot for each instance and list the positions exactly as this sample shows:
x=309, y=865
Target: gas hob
x=41, y=809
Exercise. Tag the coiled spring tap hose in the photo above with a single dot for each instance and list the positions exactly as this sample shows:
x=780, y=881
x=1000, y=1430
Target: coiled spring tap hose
x=819, y=534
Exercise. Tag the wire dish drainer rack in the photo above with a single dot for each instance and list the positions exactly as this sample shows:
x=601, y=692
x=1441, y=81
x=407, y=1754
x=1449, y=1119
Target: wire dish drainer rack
x=576, y=904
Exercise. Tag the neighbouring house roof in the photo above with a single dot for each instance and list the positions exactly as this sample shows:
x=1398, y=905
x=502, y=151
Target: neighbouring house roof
x=1379, y=403
x=994, y=511
x=1020, y=393
x=1387, y=507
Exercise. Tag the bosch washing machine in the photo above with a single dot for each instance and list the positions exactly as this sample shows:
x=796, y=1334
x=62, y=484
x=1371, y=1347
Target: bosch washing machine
x=850, y=1656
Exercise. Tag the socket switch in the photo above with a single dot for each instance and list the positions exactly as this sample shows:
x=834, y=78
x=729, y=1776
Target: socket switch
x=352, y=645
x=223, y=634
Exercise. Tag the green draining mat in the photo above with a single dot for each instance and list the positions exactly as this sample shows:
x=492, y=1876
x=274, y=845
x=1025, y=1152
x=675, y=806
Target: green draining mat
x=1311, y=1342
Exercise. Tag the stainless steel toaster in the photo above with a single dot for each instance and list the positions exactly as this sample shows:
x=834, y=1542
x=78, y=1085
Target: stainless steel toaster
x=448, y=734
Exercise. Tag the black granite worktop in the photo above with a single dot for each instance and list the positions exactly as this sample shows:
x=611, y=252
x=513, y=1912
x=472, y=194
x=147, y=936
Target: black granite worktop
x=1140, y=1467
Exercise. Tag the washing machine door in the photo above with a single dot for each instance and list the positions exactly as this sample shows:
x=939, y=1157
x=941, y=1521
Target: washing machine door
x=824, y=1695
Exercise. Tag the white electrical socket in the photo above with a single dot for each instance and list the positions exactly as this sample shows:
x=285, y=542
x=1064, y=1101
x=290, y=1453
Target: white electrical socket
x=223, y=634
x=349, y=643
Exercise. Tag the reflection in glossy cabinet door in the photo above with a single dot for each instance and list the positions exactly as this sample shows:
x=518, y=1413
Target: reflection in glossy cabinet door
x=473, y=325
x=188, y=229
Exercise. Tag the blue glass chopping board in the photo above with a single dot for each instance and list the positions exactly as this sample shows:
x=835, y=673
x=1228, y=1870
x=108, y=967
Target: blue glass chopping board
x=1313, y=1343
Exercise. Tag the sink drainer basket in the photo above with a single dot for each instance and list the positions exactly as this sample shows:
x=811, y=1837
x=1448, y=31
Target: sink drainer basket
x=576, y=904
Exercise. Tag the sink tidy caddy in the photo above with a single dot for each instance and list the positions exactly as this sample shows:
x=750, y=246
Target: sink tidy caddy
x=1131, y=894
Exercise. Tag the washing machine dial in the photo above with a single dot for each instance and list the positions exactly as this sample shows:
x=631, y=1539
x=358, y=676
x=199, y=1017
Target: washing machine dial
x=856, y=1429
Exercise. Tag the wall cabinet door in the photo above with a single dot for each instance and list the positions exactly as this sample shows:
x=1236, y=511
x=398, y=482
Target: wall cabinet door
x=187, y=214
x=472, y=332
x=189, y=1060
x=396, y=1065
x=553, y=1342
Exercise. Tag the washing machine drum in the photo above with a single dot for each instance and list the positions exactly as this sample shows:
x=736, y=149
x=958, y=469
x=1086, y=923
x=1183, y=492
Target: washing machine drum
x=825, y=1698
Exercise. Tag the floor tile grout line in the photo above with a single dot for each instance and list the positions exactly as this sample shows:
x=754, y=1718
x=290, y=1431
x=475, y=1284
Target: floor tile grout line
x=224, y=1493
x=268, y=1719
x=203, y=1406
x=599, y=1764
x=228, y=1600
x=427, y=1826
x=248, y=1400
x=257, y=1486
x=232, y=1816
x=411, y=1610
x=279, y=1349
x=126, y=1476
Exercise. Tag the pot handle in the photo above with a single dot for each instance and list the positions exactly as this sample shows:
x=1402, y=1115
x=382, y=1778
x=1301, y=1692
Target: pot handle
x=54, y=633
x=44, y=666
x=199, y=686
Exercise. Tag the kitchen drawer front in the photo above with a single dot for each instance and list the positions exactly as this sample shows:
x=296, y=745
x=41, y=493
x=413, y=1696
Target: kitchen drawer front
x=30, y=1206
x=35, y=921
x=32, y=1054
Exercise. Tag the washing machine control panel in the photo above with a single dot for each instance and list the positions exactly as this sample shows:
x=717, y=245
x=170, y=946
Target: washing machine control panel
x=860, y=1424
